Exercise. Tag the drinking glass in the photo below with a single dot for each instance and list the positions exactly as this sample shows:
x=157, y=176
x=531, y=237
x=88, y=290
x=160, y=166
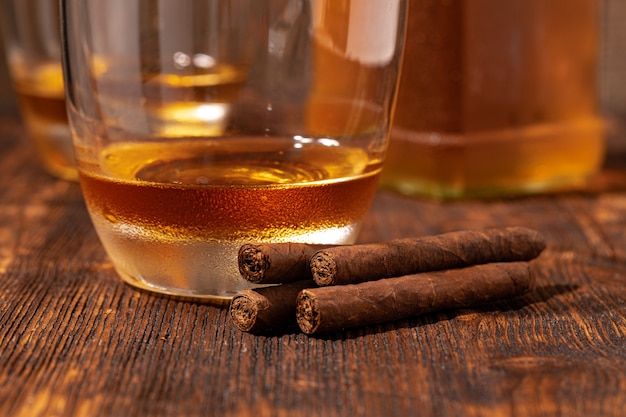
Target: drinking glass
x=31, y=33
x=199, y=125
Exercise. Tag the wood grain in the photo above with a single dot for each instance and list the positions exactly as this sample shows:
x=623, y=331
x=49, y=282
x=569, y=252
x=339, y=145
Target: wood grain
x=76, y=341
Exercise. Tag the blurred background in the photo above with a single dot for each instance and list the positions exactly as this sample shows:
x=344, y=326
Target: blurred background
x=613, y=70
x=612, y=80
x=7, y=99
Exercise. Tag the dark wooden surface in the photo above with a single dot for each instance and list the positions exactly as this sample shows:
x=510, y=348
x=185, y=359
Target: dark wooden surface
x=76, y=341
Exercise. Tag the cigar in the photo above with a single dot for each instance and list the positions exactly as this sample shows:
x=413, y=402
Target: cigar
x=276, y=263
x=343, y=265
x=327, y=309
x=259, y=309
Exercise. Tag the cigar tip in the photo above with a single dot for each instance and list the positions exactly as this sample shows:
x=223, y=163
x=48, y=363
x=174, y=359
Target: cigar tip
x=520, y=274
x=526, y=279
x=307, y=313
x=252, y=263
x=323, y=268
x=536, y=238
x=243, y=312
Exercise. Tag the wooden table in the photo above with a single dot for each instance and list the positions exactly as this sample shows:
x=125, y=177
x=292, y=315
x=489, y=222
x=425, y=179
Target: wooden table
x=76, y=341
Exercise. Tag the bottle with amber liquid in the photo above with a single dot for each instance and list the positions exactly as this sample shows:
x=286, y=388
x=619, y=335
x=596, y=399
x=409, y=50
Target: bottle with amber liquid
x=497, y=98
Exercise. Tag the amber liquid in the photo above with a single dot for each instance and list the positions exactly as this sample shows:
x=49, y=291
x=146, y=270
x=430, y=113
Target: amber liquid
x=42, y=103
x=497, y=98
x=173, y=214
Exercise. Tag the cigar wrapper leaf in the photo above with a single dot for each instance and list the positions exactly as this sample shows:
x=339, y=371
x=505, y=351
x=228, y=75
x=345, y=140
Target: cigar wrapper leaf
x=359, y=263
x=265, y=308
x=328, y=309
x=276, y=263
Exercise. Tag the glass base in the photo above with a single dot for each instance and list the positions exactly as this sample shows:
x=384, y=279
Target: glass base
x=188, y=268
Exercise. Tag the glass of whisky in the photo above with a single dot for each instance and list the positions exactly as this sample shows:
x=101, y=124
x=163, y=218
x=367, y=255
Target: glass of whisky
x=200, y=125
x=31, y=33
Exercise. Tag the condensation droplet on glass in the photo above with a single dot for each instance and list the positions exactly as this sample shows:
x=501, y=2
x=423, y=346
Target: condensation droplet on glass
x=110, y=217
x=202, y=180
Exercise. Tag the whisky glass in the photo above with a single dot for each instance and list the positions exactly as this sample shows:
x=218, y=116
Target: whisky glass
x=200, y=125
x=30, y=30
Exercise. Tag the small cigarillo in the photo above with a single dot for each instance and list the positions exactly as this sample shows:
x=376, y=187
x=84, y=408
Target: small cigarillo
x=276, y=263
x=254, y=310
x=359, y=263
x=327, y=309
